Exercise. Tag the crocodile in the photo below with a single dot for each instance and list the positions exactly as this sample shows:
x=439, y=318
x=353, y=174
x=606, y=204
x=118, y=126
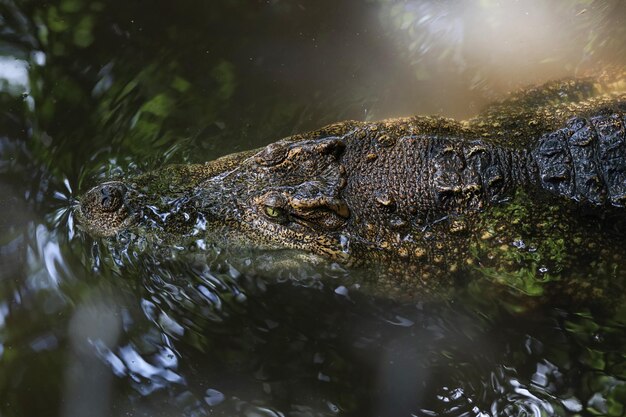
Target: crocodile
x=421, y=197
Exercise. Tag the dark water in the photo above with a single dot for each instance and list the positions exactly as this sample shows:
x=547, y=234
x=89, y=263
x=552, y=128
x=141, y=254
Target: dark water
x=90, y=89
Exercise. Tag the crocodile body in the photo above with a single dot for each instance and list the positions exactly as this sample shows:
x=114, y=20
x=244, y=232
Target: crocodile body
x=416, y=194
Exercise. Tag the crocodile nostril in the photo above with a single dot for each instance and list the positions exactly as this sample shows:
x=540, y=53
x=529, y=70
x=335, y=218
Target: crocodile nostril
x=111, y=197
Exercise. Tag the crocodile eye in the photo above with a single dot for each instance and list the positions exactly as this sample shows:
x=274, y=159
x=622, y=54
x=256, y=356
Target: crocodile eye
x=274, y=211
x=273, y=205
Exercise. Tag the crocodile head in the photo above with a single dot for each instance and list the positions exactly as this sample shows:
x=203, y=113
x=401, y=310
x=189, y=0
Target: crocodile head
x=287, y=195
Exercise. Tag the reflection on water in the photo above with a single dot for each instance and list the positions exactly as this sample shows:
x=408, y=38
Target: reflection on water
x=90, y=90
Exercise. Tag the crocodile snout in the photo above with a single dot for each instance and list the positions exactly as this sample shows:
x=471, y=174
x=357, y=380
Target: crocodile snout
x=103, y=210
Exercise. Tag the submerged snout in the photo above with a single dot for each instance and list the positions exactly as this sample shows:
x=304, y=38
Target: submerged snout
x=104, y=210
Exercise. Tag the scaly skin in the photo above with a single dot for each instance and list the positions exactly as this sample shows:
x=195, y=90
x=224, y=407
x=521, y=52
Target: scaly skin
x=423, y=196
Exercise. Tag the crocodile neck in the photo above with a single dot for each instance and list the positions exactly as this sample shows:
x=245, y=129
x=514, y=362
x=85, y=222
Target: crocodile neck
x=421, y=178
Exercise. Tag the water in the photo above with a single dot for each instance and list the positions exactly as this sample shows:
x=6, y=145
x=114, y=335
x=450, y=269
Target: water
x=94, y=89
